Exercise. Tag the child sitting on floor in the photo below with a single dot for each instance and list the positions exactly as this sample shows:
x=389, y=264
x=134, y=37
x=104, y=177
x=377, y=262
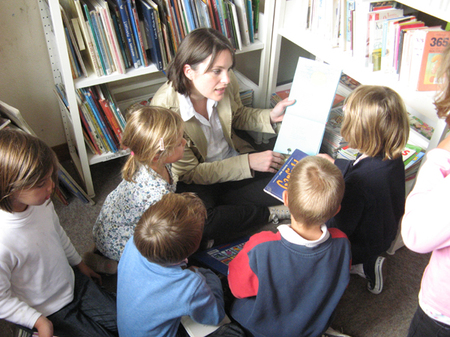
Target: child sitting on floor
x=289, y=283
x=377, y=125
x=154, y=288
x=155, y=137
x=44, y=284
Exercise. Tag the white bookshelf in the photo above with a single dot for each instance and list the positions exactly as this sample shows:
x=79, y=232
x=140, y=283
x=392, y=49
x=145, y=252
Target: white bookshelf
x=288, y=25
x=141, y=79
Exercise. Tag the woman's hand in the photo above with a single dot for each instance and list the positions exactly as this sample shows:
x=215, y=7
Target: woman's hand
x=326, y=156
x=267, y=161
x=89, y=272
x=277, y=113
x=44, y=327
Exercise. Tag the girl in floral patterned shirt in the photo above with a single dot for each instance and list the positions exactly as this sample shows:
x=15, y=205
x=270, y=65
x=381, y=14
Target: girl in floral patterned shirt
x=155, y=137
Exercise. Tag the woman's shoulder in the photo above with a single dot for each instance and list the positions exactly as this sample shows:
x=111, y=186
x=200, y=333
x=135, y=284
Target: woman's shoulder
x=166, y=96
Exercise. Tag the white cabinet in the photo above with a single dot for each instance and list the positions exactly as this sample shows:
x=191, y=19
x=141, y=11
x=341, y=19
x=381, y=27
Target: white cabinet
x=143, y=80
x=288, y=18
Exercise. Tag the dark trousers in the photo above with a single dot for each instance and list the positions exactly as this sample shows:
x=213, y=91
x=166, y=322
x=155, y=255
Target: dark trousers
x=423, y=325
x=92, y=312
x=233, y=207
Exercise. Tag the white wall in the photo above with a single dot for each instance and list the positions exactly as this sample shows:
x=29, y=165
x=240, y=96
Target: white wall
x=26, y=79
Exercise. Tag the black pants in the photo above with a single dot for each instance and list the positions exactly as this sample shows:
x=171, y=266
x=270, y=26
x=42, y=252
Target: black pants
x=233, y=207
x=424, y=326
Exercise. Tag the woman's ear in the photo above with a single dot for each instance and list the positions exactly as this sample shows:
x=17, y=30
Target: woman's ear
x=187, y=70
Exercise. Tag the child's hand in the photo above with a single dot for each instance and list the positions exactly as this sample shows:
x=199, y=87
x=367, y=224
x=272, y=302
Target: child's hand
x=326, y=156
x=44, y=327
x=89, y=272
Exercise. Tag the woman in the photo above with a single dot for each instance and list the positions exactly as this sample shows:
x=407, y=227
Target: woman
x=218, y=165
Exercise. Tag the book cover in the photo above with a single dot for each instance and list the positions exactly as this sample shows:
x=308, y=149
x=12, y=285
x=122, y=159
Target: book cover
x=314, y=88
x=125, y=18
x=152, y=34
x=435, y=44
x=134, y=18
x=217, y=258
x=251, y=27
x=243, y=21
x=279, y=183
x=89, y=43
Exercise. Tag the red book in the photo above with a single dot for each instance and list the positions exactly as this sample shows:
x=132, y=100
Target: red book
x=435, y=44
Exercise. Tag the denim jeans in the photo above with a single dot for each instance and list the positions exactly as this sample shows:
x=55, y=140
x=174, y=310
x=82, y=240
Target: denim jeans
x=92, y=311
x=423, y=325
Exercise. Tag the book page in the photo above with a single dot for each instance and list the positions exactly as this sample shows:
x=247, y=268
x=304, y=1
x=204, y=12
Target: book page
x=314, y=88
x=195, y=329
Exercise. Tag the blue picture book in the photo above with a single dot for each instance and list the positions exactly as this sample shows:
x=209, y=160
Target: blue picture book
x=218, y=257
x=279, y=182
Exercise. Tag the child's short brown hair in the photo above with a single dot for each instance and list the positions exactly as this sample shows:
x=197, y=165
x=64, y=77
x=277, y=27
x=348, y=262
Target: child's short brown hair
x=24, y=161
x=376, y=121
x=315, y=191
x=171, y=230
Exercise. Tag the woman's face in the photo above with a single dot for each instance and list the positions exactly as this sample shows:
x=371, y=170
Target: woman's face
x=212, y=83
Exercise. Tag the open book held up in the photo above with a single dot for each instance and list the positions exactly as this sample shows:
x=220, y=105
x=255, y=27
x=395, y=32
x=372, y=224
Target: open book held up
x=314, y=87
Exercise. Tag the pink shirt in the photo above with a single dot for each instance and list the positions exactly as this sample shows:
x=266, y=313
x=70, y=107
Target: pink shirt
x=426, y=228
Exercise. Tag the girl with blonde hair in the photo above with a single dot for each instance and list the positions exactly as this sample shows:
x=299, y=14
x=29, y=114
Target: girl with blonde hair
x=155, y=137
x=377, y=125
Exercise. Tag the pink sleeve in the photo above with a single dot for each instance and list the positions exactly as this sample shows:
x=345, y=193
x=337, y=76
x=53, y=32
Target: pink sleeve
x=426, y=223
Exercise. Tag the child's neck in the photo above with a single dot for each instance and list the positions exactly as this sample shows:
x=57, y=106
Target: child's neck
x=160, y=168
x=311, y=233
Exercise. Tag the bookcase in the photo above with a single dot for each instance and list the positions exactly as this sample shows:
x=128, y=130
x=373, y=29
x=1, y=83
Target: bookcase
x=287, y=37
x=286, y=28
x=137, y=83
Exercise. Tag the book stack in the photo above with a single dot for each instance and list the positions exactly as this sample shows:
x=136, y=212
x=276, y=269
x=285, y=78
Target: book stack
x=412, y=157
x=279, y=96
x=384, y=36
x=332, y=139
x=107, y=36
x=102, y=120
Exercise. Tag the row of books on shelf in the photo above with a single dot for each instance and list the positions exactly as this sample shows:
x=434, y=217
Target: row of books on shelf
x=384, y=36
x=102, y=121
x=11, y=118
x=114, y=35
x=337, y=147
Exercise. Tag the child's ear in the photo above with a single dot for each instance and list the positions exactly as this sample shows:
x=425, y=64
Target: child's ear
x=285, y=198
x=339, y=208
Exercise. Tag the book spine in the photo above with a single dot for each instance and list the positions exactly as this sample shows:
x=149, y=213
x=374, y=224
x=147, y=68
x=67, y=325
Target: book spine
x=128, y=34
x=100, y=121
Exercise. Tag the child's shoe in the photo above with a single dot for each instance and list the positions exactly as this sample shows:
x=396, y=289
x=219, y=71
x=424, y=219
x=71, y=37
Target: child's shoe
x=375, y=284
x=279, y=212
x=100, y=264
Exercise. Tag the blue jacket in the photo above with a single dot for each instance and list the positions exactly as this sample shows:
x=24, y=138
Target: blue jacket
x=151, y=298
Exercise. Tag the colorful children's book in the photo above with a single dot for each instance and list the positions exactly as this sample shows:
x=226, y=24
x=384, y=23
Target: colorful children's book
x=217, y=258
x=279, y=182
x=435, y=44
x=314, y=88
